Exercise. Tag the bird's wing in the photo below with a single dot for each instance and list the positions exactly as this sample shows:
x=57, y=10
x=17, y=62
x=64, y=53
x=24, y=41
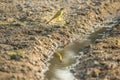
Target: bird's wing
x=55, y=16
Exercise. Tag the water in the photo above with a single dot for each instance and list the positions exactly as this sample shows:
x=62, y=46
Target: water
x=62, y=74
x=59, y=70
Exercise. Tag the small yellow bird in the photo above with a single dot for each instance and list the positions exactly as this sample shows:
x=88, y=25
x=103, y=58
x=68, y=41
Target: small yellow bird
x=59, y=55
x=57, y=15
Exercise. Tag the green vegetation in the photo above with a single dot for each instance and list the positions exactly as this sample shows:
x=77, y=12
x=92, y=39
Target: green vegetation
x=3, y=22
x=16, y=55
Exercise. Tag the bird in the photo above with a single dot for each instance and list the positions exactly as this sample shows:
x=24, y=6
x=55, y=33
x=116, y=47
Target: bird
x=57, y=15
x=59, y=55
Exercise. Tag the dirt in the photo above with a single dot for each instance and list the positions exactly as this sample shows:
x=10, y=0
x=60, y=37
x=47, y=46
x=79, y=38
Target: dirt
x=27, y=42
x=102, y=59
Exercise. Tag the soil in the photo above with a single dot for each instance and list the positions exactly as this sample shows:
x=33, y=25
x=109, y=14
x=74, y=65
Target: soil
x=27, y=42
x=101, y=61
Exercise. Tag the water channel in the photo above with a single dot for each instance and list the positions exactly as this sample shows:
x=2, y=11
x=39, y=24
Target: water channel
x=59, y=70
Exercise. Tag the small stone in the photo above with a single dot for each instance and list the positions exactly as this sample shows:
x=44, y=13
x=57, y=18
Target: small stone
x=96, y=72
x=32, y=38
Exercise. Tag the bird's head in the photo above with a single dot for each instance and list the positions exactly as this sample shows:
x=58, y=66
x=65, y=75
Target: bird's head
x=62, y=9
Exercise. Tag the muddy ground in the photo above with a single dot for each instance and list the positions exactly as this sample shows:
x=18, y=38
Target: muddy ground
x=27, y=42
x=101, y=60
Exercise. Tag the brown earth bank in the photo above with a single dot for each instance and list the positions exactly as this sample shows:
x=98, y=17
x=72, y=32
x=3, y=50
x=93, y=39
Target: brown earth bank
x=102, y=59
x=26, y=41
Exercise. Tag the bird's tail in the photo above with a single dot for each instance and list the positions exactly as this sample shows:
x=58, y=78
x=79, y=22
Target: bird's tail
x=49, y=21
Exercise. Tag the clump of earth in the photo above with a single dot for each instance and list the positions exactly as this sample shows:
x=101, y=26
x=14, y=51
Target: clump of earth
x=27, y=42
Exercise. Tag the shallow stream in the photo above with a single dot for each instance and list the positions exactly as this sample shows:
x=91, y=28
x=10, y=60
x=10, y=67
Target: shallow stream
x=61, y=70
